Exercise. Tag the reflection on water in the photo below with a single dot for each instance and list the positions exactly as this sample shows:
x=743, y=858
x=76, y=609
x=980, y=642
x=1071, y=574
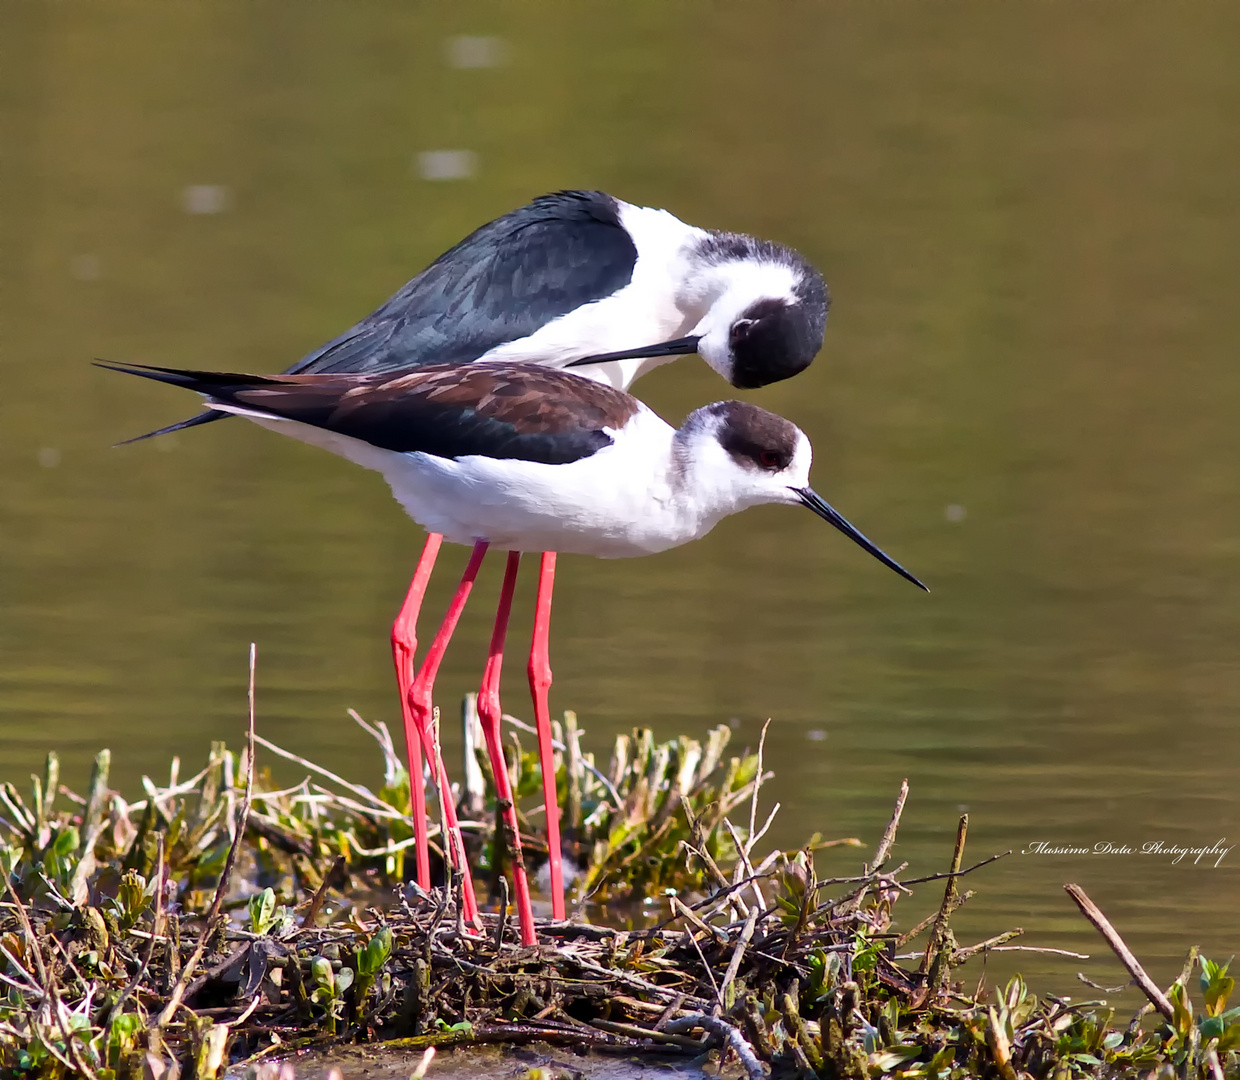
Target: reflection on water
x=1028, y=395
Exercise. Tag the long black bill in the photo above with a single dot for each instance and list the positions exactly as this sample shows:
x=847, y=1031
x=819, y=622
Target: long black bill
x=824, y=510
x=679, y=347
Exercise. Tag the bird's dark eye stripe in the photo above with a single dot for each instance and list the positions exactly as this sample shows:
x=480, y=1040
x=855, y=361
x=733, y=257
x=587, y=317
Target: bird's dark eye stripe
x=754, y=437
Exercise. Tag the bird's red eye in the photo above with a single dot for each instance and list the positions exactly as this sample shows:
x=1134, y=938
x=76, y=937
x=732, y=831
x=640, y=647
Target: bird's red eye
x=769, y=459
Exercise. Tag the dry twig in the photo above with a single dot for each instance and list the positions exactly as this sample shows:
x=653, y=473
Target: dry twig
x=1091, y=911
x=731, y=1037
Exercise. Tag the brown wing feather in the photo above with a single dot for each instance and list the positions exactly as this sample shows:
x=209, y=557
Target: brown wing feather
x=535, y=400
x=501, y=410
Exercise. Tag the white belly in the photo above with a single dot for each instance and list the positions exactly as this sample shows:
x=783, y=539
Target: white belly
x=582, y=508
x=616, y=503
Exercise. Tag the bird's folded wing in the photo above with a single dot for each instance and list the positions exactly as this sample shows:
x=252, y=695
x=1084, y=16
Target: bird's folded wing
x=501, y=283
x=509, y=411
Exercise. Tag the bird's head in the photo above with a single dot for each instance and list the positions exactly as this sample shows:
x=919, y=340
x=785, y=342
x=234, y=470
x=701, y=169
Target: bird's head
x=739, y=456
x=761, y=310
x=766, y=310
x=766, y=340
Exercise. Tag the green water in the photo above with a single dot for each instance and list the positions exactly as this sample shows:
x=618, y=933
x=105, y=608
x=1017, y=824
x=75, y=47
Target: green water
x=1029, y=392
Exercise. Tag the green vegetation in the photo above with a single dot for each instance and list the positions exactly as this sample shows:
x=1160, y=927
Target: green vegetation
x=223, y=919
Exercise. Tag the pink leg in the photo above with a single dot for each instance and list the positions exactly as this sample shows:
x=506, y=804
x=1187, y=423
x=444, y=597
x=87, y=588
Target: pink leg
x=489, y=714
x=540, y=683
x=421, y=708
x=404, y=645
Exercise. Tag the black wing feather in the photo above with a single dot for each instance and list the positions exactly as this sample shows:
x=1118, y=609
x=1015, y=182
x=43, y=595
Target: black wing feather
x=501, y=283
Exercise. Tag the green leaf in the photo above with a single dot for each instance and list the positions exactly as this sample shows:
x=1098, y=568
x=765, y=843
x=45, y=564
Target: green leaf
x=262, y=911
x=321, y=972
x=374, y=955
x=132, y=898
x=1211, y=1028
x=65, y=842
x=887, y=1060
x=865, y=954
x=122, y=1036
x=1182, y=1010
x=1218, y=991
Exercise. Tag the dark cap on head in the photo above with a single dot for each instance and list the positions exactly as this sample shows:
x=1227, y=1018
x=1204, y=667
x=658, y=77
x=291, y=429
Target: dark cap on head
x=754, y=437
x=775, y=339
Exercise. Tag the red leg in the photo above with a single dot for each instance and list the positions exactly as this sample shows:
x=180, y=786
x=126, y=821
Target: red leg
x=489, y=714
x=404, y=644
x=540, y=683
x=421, y=708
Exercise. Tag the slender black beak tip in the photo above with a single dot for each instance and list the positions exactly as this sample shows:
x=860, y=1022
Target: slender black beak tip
x=815, y=502
x=678, y=347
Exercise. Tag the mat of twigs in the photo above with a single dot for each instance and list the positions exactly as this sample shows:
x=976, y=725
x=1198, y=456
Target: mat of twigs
x=223, y=920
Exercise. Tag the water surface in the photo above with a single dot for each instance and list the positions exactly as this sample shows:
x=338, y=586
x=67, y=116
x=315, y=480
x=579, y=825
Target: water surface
x=1028, y=394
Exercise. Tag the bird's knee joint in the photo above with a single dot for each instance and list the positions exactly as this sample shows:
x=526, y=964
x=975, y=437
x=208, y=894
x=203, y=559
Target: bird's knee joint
x=419, y=700
x=488, y=707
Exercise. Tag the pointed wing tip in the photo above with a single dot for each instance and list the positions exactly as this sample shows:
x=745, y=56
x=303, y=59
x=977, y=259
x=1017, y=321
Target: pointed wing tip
x=207, y=417
x=108, y=365
x=137, y=438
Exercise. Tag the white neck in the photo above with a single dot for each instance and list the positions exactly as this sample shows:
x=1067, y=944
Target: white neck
x=718, y=293
x=704, y=481
x=722, y=293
